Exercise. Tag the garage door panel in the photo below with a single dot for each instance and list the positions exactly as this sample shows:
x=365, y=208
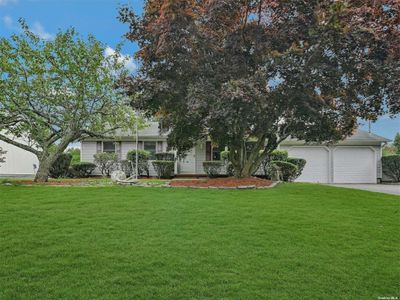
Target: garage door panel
x=354, y=165
x=317, y=163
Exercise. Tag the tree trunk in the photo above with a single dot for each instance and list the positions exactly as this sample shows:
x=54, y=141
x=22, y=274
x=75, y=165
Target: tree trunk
x=43, y=172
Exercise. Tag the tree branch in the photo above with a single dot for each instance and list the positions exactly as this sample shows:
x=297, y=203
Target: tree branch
x=19, y=145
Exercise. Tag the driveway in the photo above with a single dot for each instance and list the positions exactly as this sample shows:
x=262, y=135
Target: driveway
x=393, y=189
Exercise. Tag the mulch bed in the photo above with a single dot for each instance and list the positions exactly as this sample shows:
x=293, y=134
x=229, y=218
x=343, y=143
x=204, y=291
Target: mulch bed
x=222, y=182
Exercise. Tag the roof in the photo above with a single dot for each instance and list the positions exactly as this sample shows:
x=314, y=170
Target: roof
x=151, y=130
x=359, y=137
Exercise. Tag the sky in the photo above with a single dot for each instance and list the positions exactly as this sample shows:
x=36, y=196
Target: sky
x=99, y=17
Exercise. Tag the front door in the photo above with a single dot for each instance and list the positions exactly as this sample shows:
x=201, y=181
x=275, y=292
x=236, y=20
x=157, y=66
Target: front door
x=187, y=165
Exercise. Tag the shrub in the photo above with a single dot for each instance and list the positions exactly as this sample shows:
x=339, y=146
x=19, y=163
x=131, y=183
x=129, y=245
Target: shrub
x=143, y=161
x=391, y=167
x=106, y=162
x=287, y=171
x=213, y=168
x=267, y=168
x=167, y=156
x=60, y=167
x=76, y=155
x=82, y=169
x=225, y=155
x=126, y=167
x=299, y=163
x=164, y=168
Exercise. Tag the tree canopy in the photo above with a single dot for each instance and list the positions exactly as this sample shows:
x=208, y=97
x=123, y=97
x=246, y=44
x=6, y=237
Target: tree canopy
x=258, y=71
x=59, y=91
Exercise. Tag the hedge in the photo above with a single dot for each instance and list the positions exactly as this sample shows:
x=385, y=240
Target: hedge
x=143, y=161
x=287, y=171
x=213, y=168
x=391, y=167
x=60, y=167
x=82, y=169
x=164, y=168
x=300, y=163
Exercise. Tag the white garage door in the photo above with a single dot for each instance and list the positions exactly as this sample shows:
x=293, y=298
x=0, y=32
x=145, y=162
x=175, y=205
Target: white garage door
x=354, y=165
x=317, y=166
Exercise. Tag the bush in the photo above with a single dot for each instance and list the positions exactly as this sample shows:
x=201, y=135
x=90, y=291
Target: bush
x=164, y=168
x=106, y=162
x=166, y=156
x=267, y=168
x=143, y=161
x=299, y=163
x=76, y=155
x=60, y=167
x=82, y=169
x=391, y=167
x=126, y=167
x=213, y=168
x=286, y=170
x=225, y=155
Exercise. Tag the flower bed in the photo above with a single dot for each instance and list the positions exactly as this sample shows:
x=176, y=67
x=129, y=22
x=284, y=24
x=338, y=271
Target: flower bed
x=230, y=182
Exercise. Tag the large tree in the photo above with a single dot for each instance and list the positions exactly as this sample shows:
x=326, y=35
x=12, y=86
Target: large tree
x=250, y=73
x=55, y=92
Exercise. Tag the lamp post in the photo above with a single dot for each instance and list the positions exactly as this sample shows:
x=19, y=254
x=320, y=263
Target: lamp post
x=137, y=144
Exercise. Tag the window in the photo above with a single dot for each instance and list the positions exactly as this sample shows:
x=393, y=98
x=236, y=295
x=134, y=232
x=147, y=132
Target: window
x=109, y=147
x=150, y=147
x=213, y=152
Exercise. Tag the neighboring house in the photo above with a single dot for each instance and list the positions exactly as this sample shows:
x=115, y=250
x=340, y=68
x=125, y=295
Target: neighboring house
x=354, y=160
x=19, y=163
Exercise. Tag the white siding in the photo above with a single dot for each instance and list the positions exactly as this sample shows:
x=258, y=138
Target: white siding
x=200, y=157
x=126, y=147
x=18, y=161
x=88, y=150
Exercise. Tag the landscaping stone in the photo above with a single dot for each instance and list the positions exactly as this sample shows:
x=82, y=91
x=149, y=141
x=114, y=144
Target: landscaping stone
x=117, y=175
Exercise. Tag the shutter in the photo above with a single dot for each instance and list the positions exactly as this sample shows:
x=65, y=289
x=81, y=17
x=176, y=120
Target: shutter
x=99, y=147
x=208, y=151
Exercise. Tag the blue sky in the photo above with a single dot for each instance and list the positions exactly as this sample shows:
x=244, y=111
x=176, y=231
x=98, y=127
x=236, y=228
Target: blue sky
x=99, y=17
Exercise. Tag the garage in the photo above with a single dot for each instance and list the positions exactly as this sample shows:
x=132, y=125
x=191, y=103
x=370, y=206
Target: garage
x=317, y=166
x=354, y=165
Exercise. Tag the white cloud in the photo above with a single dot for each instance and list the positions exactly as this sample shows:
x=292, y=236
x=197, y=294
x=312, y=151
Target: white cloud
x=126, y=59
x=5, y=2
x=8, y=21
x=38, y=29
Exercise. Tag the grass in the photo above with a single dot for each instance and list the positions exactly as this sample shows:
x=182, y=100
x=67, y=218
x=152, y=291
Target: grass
x=296, y=241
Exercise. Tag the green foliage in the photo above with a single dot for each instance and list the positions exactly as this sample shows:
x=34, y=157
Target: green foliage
x=60, y=168
x=106, y=162
x=164, y=168
x=44, y=82
x=165, y=156
x=279, y=155
x=82, y=169
x=225, y=155
x=396, y=142
x=143, y=161
x=126, y=167
x=299, y=163
x=286, y=171
x=389, y=150
x=213, y=168
x=76, y=155
x=259, y=71
x=391, y=167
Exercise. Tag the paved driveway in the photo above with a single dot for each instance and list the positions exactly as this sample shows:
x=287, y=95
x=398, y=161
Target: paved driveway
x=393, y=189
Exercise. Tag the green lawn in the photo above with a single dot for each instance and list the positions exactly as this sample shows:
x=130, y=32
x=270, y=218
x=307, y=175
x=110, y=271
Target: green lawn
x=296, y=241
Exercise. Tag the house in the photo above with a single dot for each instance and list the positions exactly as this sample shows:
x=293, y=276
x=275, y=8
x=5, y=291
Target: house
x=354, y=160
x=19, y=162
